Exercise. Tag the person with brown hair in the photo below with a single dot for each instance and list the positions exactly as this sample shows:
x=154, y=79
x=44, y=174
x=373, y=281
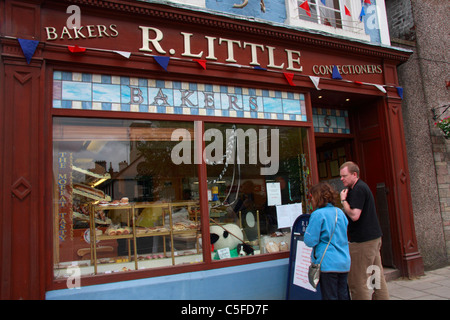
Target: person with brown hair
x=364, y=232
x=328, y=221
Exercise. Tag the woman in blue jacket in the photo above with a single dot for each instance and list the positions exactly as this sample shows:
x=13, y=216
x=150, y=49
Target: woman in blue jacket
x=336, y=262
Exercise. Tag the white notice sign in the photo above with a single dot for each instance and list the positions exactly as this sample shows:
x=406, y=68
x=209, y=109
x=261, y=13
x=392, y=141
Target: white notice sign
x=302, y=262
x=273, y=193
x=287, y=214
x=224, y=253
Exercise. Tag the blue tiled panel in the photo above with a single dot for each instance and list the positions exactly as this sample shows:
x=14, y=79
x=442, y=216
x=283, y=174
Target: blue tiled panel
x=74, y=90
x=331, y=120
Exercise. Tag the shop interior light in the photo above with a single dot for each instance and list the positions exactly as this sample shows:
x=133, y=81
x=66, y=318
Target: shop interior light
x=98, y=182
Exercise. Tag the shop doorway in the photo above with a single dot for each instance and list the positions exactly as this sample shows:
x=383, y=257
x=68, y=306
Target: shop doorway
x=331, y=153
x=373, y=160
x=363, y=143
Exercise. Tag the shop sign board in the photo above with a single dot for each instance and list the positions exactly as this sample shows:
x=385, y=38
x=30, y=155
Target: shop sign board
x=155, y=39
x=298, y=287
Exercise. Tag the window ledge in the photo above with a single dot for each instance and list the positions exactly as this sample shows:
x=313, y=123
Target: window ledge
x=327, y=29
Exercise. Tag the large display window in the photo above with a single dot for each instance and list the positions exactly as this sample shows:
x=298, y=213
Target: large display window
x=262, y=168
x=126, y=192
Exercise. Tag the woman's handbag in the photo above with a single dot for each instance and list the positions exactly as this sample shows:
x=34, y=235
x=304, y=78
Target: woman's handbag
x=314, y=274
x=314, y=268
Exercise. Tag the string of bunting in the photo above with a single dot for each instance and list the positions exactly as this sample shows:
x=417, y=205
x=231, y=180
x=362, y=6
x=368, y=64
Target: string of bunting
x=29, y=48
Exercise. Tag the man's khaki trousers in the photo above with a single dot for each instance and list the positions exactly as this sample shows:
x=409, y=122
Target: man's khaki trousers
x=366, y=278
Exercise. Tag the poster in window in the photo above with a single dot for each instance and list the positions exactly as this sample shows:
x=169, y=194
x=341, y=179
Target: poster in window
x=334, y=167
x=273, y=193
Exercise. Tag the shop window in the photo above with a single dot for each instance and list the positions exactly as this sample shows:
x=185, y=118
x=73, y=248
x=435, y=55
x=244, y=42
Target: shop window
x=126, y=192
x=261, y=169
x=119, y=175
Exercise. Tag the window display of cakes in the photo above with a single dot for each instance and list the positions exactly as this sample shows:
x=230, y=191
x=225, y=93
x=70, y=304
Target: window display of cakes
x=173, y=220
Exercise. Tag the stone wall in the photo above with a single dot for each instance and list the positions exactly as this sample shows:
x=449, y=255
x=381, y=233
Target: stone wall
x=422, y=27
x=441, y=151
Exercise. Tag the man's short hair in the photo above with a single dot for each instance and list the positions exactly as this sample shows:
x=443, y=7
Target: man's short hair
x=352, y=167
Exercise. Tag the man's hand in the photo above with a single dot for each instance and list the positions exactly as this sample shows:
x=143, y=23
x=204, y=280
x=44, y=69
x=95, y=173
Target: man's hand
x=344, y=194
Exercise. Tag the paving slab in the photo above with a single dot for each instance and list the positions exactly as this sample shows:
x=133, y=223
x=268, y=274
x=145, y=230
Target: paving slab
x=434, y=285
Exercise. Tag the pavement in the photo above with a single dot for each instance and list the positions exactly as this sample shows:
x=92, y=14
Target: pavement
x=434, y=285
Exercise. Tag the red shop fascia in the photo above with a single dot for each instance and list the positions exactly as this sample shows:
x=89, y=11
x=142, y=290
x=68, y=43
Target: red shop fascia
x=122, y=37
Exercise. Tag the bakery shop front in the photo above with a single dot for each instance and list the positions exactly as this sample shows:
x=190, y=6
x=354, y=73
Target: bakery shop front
x=154, y=146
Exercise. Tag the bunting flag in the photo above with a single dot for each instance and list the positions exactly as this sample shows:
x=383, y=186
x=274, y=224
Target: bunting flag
x=162, y=61
x=124, y=54
x=315, y=81
x=324, y=2
x=400, y=92
x=201, y=62
x=347, y=12
x=363, y=13
x=259, y=68
x=28, y=48
x=336, y=74
x=289, y=77
x=305, y=6
x=367, y=1
x=380, y=87
x=76, y=49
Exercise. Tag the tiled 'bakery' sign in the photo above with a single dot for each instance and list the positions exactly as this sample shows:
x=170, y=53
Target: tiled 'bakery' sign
x=116, y=93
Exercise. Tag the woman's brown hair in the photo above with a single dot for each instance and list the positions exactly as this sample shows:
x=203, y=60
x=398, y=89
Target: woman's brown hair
x=323, y=193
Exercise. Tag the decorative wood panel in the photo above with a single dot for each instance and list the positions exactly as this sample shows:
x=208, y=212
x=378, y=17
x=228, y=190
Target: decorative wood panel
x=411, y=260
x=22, y=211
x=23, y=19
